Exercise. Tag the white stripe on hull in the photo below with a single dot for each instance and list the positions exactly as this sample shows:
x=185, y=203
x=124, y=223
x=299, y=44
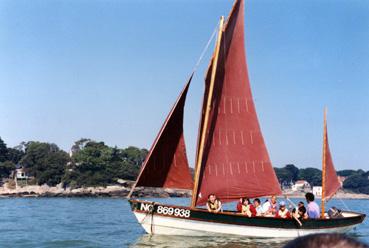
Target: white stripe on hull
x=176, y=226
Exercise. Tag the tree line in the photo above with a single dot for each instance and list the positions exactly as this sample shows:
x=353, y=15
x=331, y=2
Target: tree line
x=356, y=180
x=96, y=164
x=91, y=163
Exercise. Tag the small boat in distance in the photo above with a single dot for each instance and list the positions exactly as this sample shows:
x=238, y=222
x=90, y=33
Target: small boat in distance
x=230, y=149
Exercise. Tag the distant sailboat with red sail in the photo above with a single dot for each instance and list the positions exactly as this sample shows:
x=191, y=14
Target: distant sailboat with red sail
x=230, y=149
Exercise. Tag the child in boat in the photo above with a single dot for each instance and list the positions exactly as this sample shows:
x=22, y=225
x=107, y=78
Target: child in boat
x=213, y=205
x=258, y=207
x=247, y=208
x=283, y=211
x=300, y=213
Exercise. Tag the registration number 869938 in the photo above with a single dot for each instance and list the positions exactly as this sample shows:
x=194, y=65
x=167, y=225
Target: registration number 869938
x=179, y=212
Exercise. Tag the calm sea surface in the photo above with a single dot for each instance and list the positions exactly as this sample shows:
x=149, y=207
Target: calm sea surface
x=106, y=222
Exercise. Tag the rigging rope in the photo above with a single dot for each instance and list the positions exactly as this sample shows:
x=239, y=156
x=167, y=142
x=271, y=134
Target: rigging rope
x=151, y=214
x=205, y=49
x=344, y=204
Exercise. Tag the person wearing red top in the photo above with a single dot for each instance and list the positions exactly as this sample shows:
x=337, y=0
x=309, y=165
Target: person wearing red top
x=239, y=205
x=247, y=208
x=252, y=210
x=283, y=211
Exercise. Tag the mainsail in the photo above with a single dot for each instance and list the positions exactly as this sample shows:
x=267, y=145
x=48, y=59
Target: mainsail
x=166, y=165
x=330, y=181
x=232, y=159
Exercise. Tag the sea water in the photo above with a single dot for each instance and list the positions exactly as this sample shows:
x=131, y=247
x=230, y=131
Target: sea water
x=108, y=222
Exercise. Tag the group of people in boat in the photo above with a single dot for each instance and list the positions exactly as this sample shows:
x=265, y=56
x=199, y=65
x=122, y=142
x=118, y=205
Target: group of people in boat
x=270, y=208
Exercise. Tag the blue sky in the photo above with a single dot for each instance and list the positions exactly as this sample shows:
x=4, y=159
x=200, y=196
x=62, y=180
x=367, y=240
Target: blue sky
x=110, y=71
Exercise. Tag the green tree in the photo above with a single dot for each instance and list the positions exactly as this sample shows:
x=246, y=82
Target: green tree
x=3, y=151
x=135, y=155
x=15, y=155
x=46, y=162
x=284, y=176
x=6, y=168
x=95, y=163
x=294, y=171
x=287, y=174
x=358, y=183
x=347, y=173
x=311, y=175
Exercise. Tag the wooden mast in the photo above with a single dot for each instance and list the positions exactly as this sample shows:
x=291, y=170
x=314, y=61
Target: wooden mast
x=206, y=116
x=324, y=162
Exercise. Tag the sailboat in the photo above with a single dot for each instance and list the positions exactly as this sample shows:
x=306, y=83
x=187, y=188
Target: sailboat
x=232, y=160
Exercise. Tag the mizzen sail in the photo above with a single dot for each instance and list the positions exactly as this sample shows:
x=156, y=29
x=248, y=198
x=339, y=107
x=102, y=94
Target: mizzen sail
x=166, y=165
x=232, y=159
x=331, y=184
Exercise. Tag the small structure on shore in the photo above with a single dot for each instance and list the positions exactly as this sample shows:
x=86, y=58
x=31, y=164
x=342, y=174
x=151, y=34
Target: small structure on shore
x=301, y=185
x=20, y=176
x=317, y=190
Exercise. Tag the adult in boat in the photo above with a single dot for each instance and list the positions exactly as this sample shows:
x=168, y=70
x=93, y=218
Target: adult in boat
x=270, y=206
x=213, y=205
x=283, y=211
x=258, y=207
x=247, y=208
x=313, y=210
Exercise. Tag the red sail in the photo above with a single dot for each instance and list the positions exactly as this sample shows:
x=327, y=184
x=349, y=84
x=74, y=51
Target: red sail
x=235, y=161
x=166, y=165
x=332, y=184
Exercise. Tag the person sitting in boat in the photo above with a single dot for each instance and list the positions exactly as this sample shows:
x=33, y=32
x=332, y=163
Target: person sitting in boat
x=313, y=210
x=283, y=211
x=258, y=207
x=247, y=208
x=213, y=205
x=300, y=213
x=239, y=205
x=270, y=206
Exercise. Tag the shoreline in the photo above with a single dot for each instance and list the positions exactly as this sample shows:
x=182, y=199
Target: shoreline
x=341, y=194
x=122, y=191
x=108, y=191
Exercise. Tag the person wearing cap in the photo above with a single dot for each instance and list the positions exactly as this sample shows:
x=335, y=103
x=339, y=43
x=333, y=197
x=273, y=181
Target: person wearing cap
x=283, y=211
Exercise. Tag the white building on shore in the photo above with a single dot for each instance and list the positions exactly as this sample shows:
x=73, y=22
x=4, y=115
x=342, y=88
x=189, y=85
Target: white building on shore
x=301, y=185
x=317, y=190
